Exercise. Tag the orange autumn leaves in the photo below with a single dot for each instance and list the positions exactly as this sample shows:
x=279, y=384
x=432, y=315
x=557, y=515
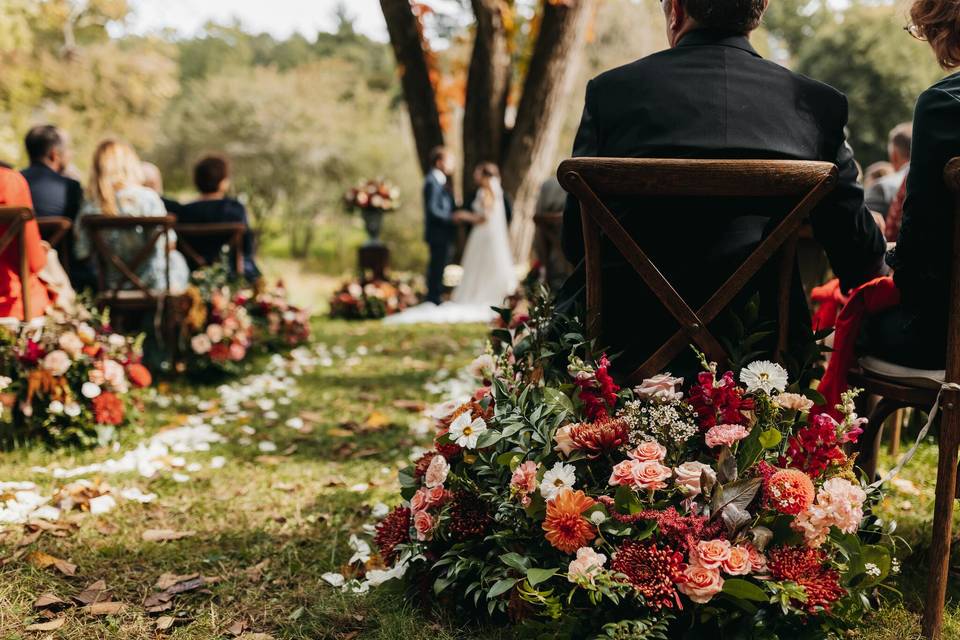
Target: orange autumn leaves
x=565, y=526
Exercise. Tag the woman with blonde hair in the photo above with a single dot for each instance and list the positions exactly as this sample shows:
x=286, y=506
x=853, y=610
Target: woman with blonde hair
x=116, y=188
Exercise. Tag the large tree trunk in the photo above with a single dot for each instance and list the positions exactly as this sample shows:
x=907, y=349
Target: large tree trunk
x=488, y=85
x=418, y=90
x=531, y=152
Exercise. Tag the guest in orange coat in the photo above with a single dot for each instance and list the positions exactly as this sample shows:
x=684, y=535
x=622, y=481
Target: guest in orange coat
x=15, y=192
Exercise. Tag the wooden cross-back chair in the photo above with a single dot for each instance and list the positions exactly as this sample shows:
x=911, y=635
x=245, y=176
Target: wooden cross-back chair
x=15, y=220
x=230, y=233
x=592, y=180
x=55, y=230
x=898, y=387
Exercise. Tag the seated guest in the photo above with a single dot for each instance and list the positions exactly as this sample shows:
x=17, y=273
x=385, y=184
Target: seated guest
x=876, y=171
x=54, y=194
x=914, y=333
x=14, y=192
x=212, y=177
x=711, y=95
x=880, y=193
x=116, y=189
x=153, y=179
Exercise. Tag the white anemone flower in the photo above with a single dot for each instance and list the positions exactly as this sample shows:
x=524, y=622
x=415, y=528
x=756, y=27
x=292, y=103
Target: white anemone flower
x=465, y=432
x=765, y=376
x=561, y=476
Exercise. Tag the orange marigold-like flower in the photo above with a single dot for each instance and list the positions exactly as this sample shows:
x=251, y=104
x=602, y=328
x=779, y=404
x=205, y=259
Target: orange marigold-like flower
x=108, y=409
x=596, y=437
x=566, y=528
x=139, y=375
x=789, y=491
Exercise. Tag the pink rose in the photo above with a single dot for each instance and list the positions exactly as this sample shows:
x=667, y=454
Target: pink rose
x=237, y=352
x=651, y=475
x=758, y=561
x=690, y=475
x=564, y=444
x=437, y=472
x=711, y=553
x=725, y=435
x=586, y=567
x=423, y=523
x=419, y=501
x=56, y=362
x=623, y=473
x=738, y=564
x=701, y=583
x=649, y=450
x=662, y=388
x=524, y=478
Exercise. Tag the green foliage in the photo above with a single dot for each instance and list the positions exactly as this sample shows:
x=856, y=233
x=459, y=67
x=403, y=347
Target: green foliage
x=649, y=629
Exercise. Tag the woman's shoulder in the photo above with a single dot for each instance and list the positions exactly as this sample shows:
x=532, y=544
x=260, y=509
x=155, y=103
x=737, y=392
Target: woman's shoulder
x=14, y=190
x=137, y=200
x=945, y=93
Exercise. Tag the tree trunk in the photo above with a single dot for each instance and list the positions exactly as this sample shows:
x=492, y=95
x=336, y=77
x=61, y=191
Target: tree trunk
x=532, y=149
x=488, y=84
x=418, y=90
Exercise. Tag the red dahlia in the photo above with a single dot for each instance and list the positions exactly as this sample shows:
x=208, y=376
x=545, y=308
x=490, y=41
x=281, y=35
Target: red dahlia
x=108, y=409
x=653, y=571
x=807, y=568
x=598, y=437
x=392, y=531
x=469, y=517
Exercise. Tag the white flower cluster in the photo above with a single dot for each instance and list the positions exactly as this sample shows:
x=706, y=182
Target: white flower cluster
x=669, y=423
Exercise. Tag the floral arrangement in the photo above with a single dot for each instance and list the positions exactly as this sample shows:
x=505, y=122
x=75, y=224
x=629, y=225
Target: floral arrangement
x=574, y=508
x=67, y=381
x=373, y=300
x=277, y=323
x=378, y=195
x=217, y=331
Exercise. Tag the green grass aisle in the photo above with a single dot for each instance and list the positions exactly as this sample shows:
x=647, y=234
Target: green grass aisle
x=305, y=458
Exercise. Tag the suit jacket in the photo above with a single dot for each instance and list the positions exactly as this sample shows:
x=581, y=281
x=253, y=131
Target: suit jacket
x=53, y=194
x=214, y=211
x=438, y=207
x=712, y=96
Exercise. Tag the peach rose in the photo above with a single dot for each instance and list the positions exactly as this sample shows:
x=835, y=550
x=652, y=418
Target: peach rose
x=711, y=553
x=71, y=343
x=649, y=450
x=623, y=473
x=651, y=475
x=436, y=473
x=738, y=564
x=56, y=362
x=565, y=444
x=793, y=401
x=419, y=501
x=701, y=583
x=423, y=523
x=758, y=561
x=690, y=475
x=662, y=388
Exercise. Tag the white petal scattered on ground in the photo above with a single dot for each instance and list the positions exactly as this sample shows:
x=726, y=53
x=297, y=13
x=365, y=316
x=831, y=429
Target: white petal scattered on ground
x=247, y=429
x=193, y=467
x=271, y=415
x=380, y=510
x=295, y=423
x=333, y=579
x=361, y=550
x=360, y=487
x=102, y=504
x=134, y=494
x=903, y=485
x=180, y=477
x=217, y=462
x=267, y=447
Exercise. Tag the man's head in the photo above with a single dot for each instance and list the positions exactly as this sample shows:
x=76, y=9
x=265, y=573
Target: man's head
x=212, y=174
x=898, y=145
x=442, y=159
x=48, y=145
x=735, y=16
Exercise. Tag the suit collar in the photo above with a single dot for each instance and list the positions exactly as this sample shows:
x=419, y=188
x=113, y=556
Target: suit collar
x=700, y=37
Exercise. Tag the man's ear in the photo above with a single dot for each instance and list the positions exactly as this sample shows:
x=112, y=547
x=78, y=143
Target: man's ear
x=677, y=14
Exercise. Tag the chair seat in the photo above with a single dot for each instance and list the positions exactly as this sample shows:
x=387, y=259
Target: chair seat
x=925, y=378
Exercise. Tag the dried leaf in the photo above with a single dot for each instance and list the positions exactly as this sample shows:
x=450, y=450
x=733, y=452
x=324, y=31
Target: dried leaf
x=237, y=628
x=52, y=625
x=255, y=573
x=256, y=636
x=106, y=528
x=95, y=592
x=271, y=460
x=337, y=432
x=287, y=487
x=164, y=535
x=413, y=406
x=168, y=580
x=104, y=608
x=165, y=622
x=376, y=421
x=48, y=600
x=44, y=560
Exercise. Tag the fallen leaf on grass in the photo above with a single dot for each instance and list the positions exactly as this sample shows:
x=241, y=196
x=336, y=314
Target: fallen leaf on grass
x=171, y=584
x=52, y=625
x=376, y=421
x=271, y=460
x=337, y=432
x=413, y=406
x=48, y=600
x=165, y=622
x=106, y=528
x=95, y=592
x=255, y=636
x=15, y=556
x=255, y=573
x=287, y=487
x=164, y=535
x=104, y=608
x=43, y=560
x=237, y=628
x=29, y=538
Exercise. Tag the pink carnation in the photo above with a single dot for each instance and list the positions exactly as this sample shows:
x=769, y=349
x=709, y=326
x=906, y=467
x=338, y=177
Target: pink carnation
x=839, y=504
x=725, y=435
x=524, y=478
x=437, y=472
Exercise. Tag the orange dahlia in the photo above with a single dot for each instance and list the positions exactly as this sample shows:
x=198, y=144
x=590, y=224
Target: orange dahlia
x=789, y=491
x=566, y=528
x=596, y=437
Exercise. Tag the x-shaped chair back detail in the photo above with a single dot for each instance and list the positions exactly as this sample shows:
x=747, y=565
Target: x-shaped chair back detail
x=230, y=233
x=592, y=180
x=54, y=229
x=153, y=229
x=15, y=220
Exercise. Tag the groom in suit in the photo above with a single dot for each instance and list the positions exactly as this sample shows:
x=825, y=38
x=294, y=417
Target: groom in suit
x=711, y=95
x=440, y=218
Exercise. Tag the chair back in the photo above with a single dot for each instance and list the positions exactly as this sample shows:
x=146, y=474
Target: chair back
x=151, y=229
x=951, y=175
x=595, y=180
x=15, y=220
x=230, y=235
x=55, y=230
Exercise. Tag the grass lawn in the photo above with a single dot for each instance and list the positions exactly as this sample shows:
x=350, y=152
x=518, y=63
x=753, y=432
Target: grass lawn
x=279, y=512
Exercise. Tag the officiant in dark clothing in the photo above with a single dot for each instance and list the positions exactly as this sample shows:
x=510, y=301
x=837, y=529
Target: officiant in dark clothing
x=212, y=178
x=53, y=193
x=711, y=95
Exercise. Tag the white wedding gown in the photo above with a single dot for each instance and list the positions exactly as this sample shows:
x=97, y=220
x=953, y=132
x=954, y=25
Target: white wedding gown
x=489, y=275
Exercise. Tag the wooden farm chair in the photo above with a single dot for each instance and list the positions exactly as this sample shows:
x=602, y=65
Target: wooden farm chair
x=56, y=231
x=899, y=387
x=591, y=180
x=15, y=219
x=230, y=233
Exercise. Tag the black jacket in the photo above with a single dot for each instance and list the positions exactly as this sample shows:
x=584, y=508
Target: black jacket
x=214, y=211
x=712, y=96
x=52, y=193
x=438, y=207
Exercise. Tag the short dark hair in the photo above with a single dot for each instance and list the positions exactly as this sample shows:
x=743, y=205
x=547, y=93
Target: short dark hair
x=41, y=140
x=901, y=137
x=739, y=16
x=436, y=153
x=209, y=172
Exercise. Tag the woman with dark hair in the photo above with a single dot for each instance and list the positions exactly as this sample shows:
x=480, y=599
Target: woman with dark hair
x=913, y=333
x=211, y=175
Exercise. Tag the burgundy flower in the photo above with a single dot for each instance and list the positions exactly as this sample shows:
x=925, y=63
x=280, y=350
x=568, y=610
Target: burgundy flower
x=392, y=531
x=718, y=401
x=654, y=572
x=469, y=517
x=806, y=567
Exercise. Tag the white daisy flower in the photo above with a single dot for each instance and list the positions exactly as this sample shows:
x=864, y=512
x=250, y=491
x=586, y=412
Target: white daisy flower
x=561, y=476
x=465, y=432
x=764, y=376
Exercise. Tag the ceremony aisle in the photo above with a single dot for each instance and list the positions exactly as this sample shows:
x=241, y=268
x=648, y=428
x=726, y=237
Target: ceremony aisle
x=227, y=511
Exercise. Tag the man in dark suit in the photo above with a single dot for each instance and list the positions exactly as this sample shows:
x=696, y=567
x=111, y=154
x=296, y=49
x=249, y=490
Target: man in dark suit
x=711, y=95
x=440, y=218
x=53, y=193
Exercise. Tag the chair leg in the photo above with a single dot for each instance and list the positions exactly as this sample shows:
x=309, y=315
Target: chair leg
x=942, y=515
x=896, y=429
x=868, y=452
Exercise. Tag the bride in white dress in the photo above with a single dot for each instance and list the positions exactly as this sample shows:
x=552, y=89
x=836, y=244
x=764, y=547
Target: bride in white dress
x=489, y=274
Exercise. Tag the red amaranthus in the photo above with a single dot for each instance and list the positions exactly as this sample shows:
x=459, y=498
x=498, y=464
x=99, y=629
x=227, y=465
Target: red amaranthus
x=718, y=401
x=807, y=568
x=653, y=571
